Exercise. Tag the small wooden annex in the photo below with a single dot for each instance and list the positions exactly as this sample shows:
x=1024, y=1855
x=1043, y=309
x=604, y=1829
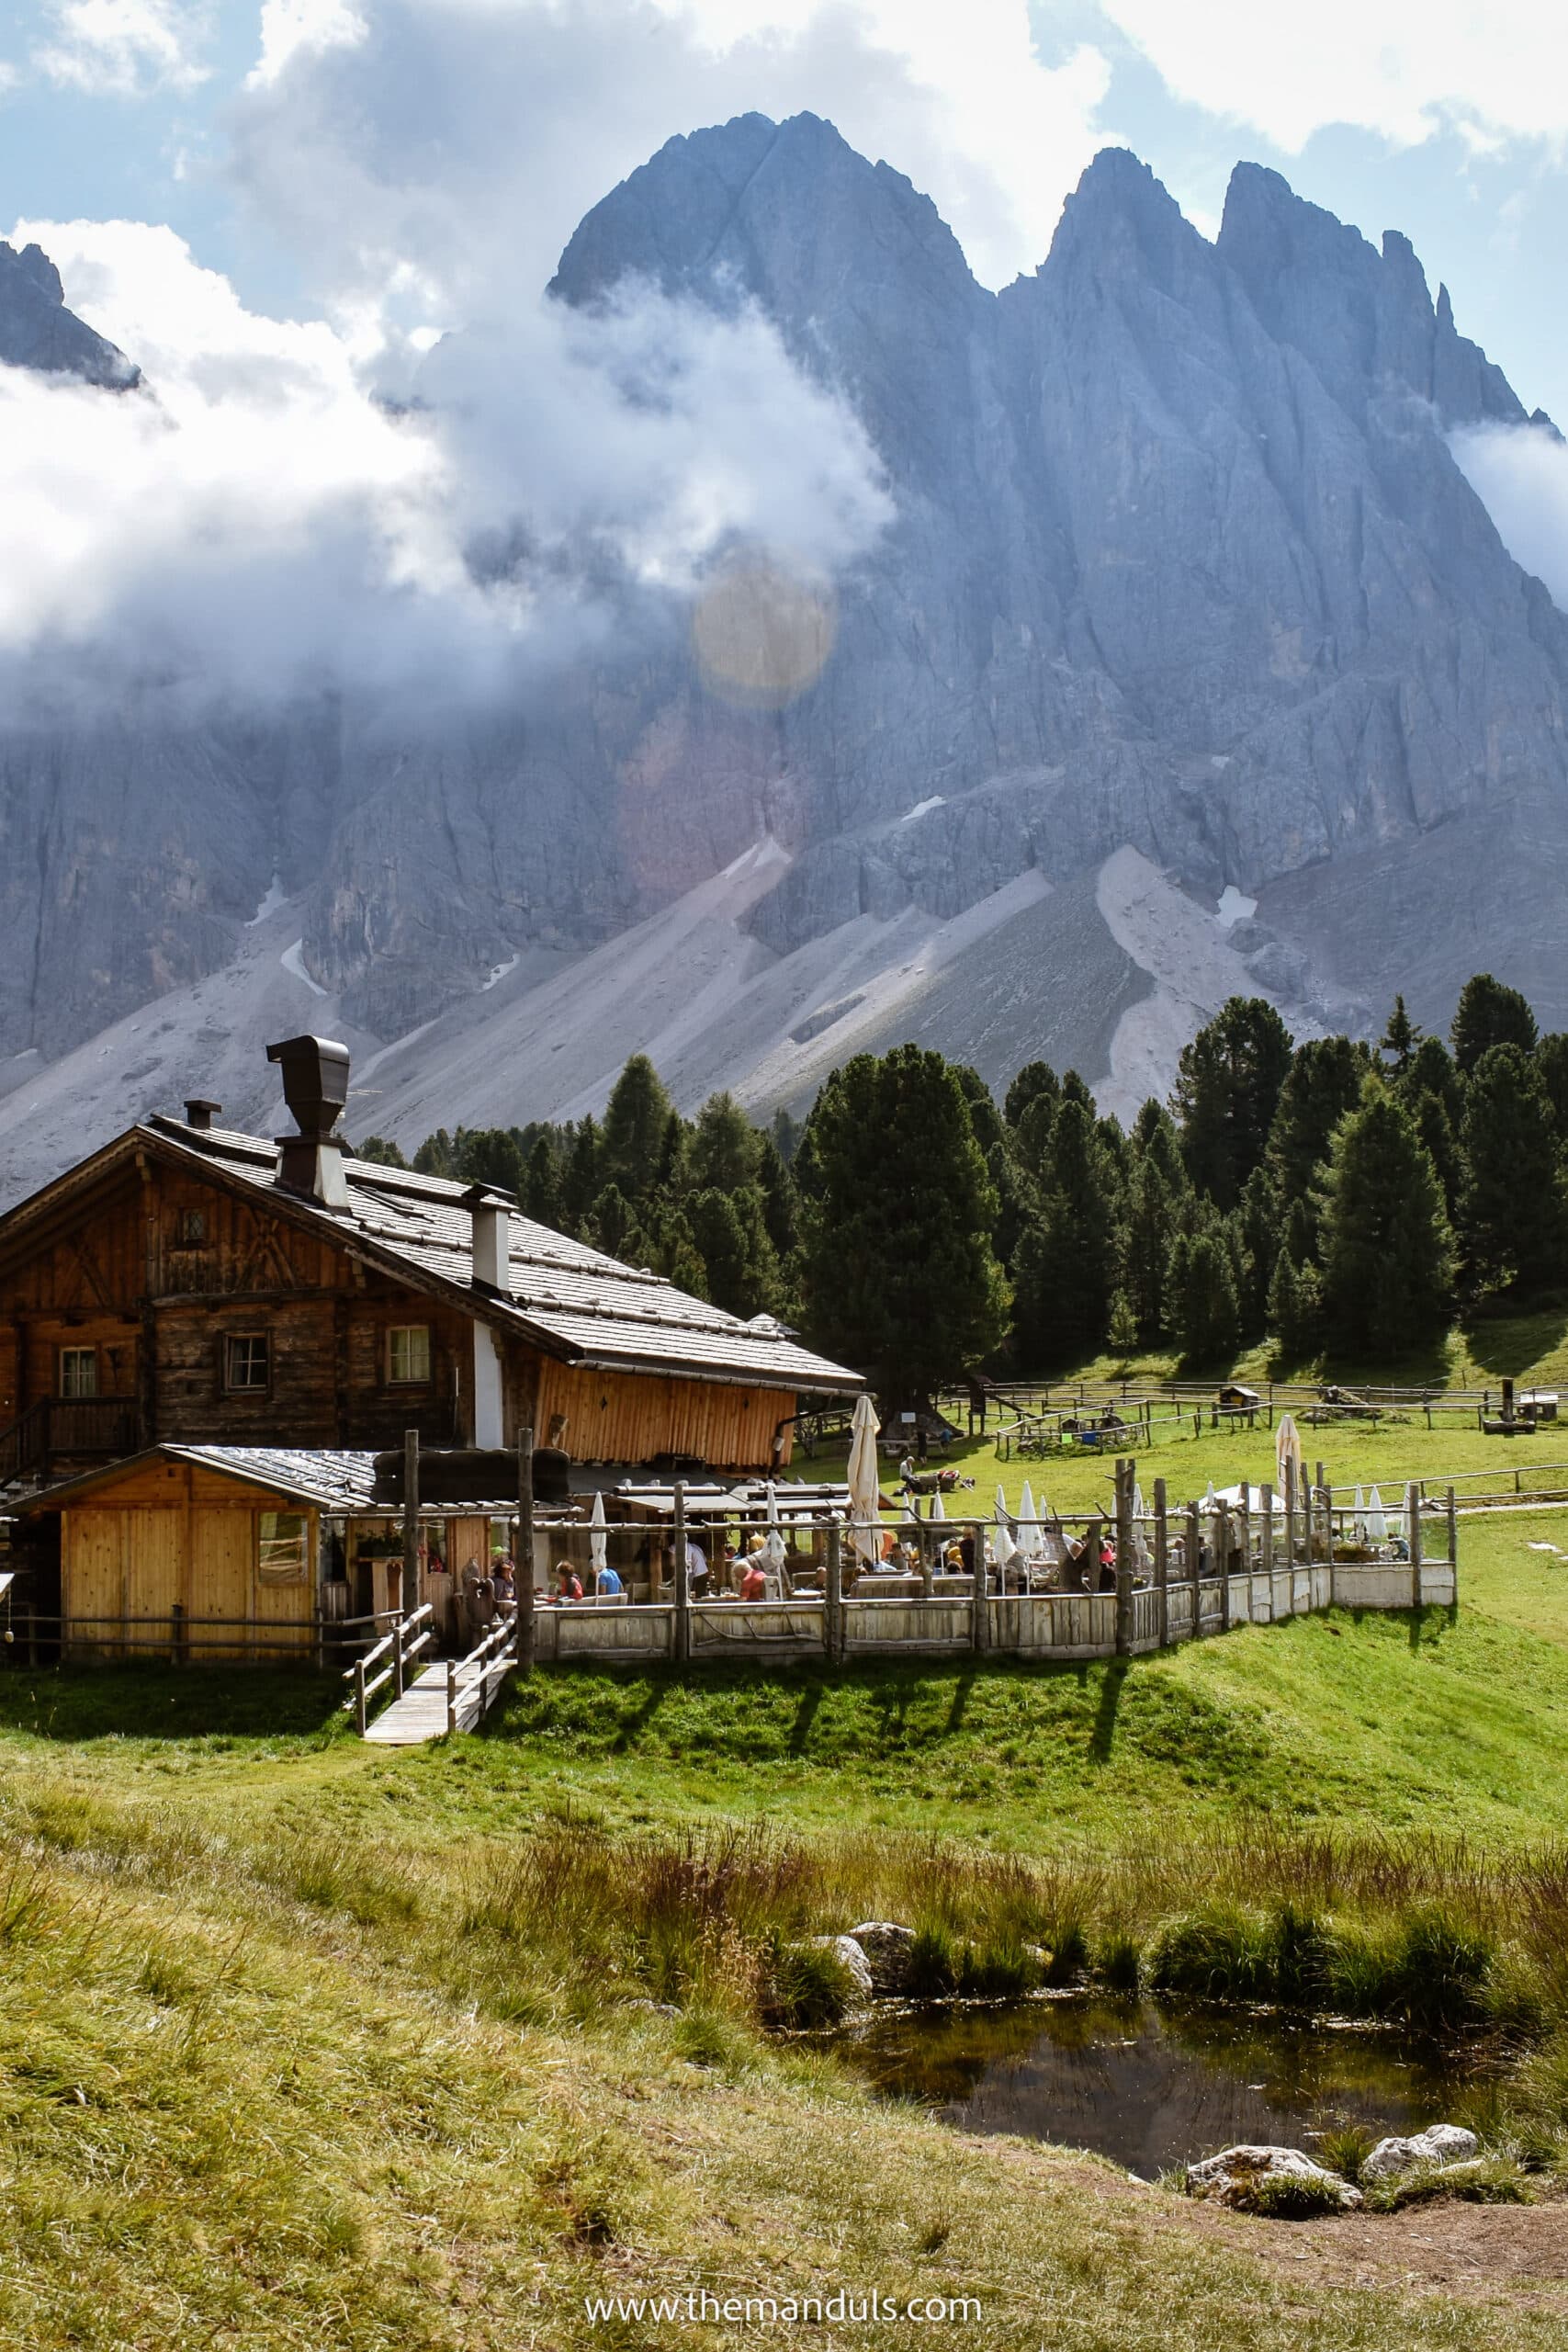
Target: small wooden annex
x=202, y=1553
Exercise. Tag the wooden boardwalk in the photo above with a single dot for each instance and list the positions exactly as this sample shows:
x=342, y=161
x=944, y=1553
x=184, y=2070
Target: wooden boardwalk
x=420, y=1713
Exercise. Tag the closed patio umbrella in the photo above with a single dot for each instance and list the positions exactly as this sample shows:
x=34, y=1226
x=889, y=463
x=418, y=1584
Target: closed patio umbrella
x=864, y=1490
x=1377, y=1522
x=1028, y=1526
x=1359, y=1516
x=597, y=1540
x=938, y=1509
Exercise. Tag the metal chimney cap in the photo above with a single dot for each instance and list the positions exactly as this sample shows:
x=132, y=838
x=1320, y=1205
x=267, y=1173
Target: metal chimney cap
x=489, y=1197
x=315, y=1080
x=200, y=1112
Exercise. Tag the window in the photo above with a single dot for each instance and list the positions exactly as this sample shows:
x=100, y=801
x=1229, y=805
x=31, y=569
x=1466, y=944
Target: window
x=190, y=1229
x=407, y=1354
x=283, y=1546
x=247, y=1361
x=78, y=1372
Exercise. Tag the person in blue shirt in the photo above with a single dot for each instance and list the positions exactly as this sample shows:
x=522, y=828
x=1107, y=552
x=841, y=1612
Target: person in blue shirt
x=608, y=1581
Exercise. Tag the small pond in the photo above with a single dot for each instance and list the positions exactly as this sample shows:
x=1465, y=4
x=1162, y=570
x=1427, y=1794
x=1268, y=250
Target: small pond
x=1150, y=2087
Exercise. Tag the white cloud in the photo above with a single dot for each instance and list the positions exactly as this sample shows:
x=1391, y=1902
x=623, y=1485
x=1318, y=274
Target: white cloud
x=119, y=48
x=1520, y=474
x=289, y=26
x=1403, y=68
x=255, y=520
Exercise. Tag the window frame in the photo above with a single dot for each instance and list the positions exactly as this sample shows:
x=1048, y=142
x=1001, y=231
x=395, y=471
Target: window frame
x=408, y=1379
x=266, y=1571
x=232, y=1388
x=190, y=1230
x=76, y=1353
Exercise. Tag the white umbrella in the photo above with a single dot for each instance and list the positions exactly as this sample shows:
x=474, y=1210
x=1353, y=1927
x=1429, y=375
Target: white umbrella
x=865, y=1493
x=938, y=1509
x=1002, y=1510
x=1002, y=1545
x=775, y=1553
x=1377, y=1524
x=1358, y=1514
x=597, y=1541
x=1028, y=1522
x=1288, y=1448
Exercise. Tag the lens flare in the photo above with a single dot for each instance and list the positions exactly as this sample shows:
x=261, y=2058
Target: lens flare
x=762, y=634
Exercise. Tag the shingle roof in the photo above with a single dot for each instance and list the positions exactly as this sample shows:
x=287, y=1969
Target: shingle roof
x=336, y=1481
x=578, y=1303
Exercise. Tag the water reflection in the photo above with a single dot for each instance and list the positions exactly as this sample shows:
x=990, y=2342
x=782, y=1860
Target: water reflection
x=1150, y=2087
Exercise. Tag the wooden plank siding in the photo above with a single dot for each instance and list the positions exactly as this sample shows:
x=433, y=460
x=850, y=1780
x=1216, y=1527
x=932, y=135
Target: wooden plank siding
x=166, y=1535
x=623, y=1416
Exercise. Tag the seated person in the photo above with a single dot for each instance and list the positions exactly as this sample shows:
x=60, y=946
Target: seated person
x=609, y=1584
x=570, y=1584
x=754, y=1583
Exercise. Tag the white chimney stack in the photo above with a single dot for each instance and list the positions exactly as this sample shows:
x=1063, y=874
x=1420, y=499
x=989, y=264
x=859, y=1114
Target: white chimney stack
x=491, y=1213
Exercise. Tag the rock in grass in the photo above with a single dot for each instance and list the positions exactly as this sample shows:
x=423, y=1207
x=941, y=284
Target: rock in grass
x=1281, y=2181
x=1444, y=2143
x=886, y=1946
x=852, y=1959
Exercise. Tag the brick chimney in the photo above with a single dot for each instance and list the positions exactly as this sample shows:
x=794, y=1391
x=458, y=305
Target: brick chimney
x=315, y=1087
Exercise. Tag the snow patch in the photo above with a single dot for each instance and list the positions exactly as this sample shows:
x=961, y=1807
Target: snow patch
x=498, y=972
x=270, y=903
x=921, y=808
x=293, y=962
x=1235, y=905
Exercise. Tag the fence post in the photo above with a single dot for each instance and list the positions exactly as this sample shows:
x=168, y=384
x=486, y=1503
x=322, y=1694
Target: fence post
x=410, y=1525
x=1412, y=1521
x=978, y=1593
x=832, y=1614
x=1195, y=1566
x=1290, y=1510
x=451, y=1694
x=523, y=1625
x=1162, y=1565
x=176, y=1627
x=1453, y=1541
x=1125, y=1559
x=359, y=1693
x=682, y=1636
x=1266, y=1500
x=1244, y=1538
x=1223, y=1546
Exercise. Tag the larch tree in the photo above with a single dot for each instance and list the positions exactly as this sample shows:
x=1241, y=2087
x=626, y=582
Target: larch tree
x=1489, y=1014
x=1513, y=1213
x=1227, y=1089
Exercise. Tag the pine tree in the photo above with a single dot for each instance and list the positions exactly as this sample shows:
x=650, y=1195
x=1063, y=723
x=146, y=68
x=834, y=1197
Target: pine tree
x=1256, y=1227
x=1400, y=1038
x=729, y=1232
x=1513, y=1206
x=1121, y=1337
x=1489, y=1015
x=1387, y=1250
x=1200, y=1304
x=898, y=1271
x=781, y=1198
x=1227, y=1089
x=381, y=1153
x=1150, y=1225
x=1036, y=1082
x=1295, y=1309
x=1551, y=1066
x=433, y=1156
x=583, y=1175
x=541, y=1191
x=1324, y=1081
x=725, y=1148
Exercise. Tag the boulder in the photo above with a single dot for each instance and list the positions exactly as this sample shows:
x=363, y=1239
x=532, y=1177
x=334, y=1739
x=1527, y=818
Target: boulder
x=847, y=1952
x=1233, y=2176
x=887, y=1949
x=1444, y=2143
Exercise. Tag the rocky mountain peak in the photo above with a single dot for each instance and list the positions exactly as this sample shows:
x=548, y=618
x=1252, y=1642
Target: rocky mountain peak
x=37, y=331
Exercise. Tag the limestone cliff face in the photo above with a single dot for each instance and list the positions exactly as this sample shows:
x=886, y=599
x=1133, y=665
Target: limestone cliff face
x=1181, y=562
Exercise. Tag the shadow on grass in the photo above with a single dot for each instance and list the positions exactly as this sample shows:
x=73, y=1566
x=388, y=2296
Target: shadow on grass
x=1508, y=1345
x=147, y=1701
x=1103, y=1736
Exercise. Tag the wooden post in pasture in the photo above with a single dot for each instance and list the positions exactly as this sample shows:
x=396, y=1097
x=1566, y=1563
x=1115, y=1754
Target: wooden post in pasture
x=1162, y=1566
x=1195, y=1565
x=682, y=1643
x=1223, y=1546
x=1266, y=1499
x=1412, y=1522
x=1453, y=1541
x=1325, y=1509
x=1244, y=1538
x=410, y=1529
x=1306, y=1514
x=523, y=1625
x=1124, y=1476
x=833, y=1602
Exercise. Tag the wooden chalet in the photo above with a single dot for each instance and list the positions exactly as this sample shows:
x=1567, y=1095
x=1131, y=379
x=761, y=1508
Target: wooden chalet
x=189, y=1284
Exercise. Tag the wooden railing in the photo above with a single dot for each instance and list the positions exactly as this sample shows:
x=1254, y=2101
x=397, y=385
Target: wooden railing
x=386, y=1663
x=66, y=1428
x=483, y=1670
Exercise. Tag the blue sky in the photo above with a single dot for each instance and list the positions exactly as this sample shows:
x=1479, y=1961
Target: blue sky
x=127, y=109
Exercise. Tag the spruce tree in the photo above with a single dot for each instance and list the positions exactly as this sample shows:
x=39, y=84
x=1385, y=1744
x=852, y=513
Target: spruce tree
x=1036, y=1082
x=1513, y=1207
x=725, y=1149
x=1200, y=1304
x=1256, y=1226
x=583, y=1176
x=1149, y=1228
x=636, y=1129
x=1387, y=1249
x=898, y=1276
x=1400, y=1038
x=1489, y=1015
x=1227, y=1089
x=1552, y=1067
x=541, y=1194
x=1324, y=1081
x=1066, y=1263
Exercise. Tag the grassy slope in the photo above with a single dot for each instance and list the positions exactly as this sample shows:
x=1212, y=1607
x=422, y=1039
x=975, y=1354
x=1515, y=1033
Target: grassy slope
x=250, y=2101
